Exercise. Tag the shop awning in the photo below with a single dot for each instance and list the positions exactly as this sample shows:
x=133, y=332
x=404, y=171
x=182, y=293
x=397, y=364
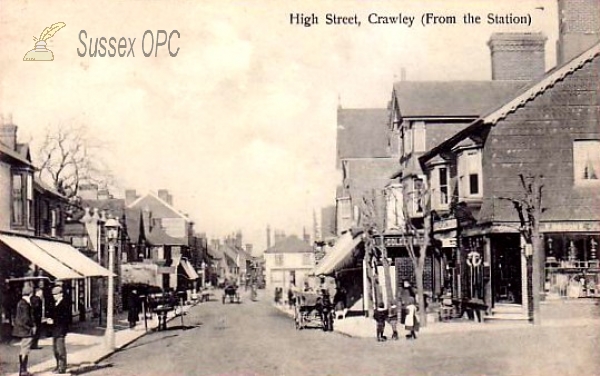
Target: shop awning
x=339, y=256
x=187, y=267
x=26, y=248
x=72, y=258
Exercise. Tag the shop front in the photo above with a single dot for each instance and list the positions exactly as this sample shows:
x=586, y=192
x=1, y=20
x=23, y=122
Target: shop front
x=572, y=267
x=403, y=268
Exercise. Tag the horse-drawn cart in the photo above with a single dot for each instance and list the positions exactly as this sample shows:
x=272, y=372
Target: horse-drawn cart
x=230, y=293
x=312, y=309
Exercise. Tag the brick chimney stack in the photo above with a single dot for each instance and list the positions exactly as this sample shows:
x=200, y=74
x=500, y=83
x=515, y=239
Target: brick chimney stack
x=268, y=236
x=130, y=196
x=579, y=27
x=164, y=195
x=518, y=56
x=8, y=135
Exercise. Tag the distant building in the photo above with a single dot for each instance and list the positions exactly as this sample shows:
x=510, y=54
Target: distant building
x=288, y=261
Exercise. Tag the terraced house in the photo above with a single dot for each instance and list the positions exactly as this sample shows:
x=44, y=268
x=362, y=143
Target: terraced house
x=32, y=249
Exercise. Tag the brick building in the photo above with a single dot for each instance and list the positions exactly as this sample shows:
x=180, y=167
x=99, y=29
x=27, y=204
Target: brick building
x=550, y=130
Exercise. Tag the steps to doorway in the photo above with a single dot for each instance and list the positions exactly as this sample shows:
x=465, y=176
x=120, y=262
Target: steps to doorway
x=508, y=312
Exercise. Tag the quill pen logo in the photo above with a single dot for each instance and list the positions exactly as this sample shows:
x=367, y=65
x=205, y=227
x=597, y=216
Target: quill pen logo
x=40, y=52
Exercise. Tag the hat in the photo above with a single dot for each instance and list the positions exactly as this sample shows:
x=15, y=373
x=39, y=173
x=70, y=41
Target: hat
x=27, y=290
x=57, y=290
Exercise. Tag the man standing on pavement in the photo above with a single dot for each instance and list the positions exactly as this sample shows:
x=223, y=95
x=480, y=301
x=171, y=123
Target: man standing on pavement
x=36, y=306
x=24, y=328
x=60, y=317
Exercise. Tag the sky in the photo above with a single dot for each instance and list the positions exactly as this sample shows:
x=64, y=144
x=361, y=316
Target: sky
x=240, y=126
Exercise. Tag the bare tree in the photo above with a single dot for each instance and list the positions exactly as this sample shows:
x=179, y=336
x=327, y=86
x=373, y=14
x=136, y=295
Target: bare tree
x=68, y=157
x=412, y=234
x=375, y=249
x=529, y=209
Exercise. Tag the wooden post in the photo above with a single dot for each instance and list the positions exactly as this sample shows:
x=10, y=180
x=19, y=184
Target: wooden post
x=145, y=317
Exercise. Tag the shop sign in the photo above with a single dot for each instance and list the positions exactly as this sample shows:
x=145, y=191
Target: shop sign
x=449, y=243
x=570, y=226
x=399, y=241
x=445, y=224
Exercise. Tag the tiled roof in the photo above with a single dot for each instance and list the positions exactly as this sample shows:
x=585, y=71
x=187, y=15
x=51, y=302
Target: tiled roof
x=214, y=253
x=516, y=101
x=291, y=244
x=158, y=237
x=133, y=222
x=37, y=181
x=362, y=133
x=452, y=98
x=14, y=155
x=158, y=207
x=368, y=174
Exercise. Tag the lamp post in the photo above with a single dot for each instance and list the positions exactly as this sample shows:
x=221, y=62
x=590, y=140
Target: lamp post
x=112, y=236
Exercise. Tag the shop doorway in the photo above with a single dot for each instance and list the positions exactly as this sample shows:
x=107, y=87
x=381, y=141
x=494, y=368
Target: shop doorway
x=506, y=270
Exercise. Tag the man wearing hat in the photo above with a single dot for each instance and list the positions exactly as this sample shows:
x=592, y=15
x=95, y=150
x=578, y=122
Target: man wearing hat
x=24, y=328
x=59, y=319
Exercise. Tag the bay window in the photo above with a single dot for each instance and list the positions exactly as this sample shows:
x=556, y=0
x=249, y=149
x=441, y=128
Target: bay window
x=22, y=199
x=469, y=173
x=18, y=209
x=440, y=189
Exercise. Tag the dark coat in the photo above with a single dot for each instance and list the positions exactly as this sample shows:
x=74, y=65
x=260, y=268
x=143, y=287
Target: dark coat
x=24, y=322
x=380, y=315
x=36, y=306
x=61, y=316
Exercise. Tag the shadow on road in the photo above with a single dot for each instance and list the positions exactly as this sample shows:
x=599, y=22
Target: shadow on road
x=148, y=342
x=90, y=368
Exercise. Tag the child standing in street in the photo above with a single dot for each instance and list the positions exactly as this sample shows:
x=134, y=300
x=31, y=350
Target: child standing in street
x=380, y=316
x=411, y=324
x=393, y=319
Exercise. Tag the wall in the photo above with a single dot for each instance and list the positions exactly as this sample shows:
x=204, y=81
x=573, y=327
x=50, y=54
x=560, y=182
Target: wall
x=5, y=189
x=175, y=227
x=539, y=138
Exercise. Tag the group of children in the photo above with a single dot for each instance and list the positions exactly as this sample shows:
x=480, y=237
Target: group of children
x=409, y=318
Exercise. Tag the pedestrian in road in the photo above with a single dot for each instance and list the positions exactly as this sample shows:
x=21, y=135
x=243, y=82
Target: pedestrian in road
x=406, y=293
x=380, y=316
x=60, y=318
x=393, y=320
x=37, y=307
x=24, y=328
x=411, y=324
x=290, y=296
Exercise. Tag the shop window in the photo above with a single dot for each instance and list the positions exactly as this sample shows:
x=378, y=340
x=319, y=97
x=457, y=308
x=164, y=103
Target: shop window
x=586, y=161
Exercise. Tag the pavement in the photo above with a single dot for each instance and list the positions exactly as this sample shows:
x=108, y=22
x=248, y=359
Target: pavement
x=564, y=313
x=85, y=350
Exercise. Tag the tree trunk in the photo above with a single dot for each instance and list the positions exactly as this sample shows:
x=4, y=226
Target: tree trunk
x=386, y=275
x=370, y=298
x=420, y=291
x=536, y=279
